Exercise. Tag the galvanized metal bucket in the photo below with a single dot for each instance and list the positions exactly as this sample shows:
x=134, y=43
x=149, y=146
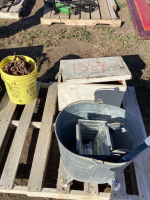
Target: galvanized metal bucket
x=87, y=169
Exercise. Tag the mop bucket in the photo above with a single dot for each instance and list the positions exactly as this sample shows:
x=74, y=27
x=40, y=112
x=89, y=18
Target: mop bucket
x=21, y=89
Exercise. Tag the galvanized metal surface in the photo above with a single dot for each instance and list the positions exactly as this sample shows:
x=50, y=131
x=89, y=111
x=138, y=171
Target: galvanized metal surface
x=87, y=169
x=95, y=132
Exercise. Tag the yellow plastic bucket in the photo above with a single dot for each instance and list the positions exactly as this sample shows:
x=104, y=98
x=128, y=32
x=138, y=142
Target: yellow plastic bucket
x=21, y=89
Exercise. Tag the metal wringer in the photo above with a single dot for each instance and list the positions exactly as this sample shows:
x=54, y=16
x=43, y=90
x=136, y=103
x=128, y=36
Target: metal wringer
x=94, y=140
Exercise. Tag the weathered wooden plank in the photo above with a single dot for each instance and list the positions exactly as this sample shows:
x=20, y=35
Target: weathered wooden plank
x=7, y=109
x=85, y=15
x=104, y=9
x=15, y=123
x=44, y=141
x=76, y=16
x=114, y=4
x=111, y=9
x=91, y=189
x=111, y=94
x=57, y=15
x=5, y=100
x=122, y=192
x=62, y=175
x=8, y=15
x=84, y=22
x=74, y=194
x=94, y=70
x=141, y=163
x=133, y=179
x=11, y=165
x=8, y=133
x=47, y=10
x=17, y=7
x=4, y=9
x=96, y=13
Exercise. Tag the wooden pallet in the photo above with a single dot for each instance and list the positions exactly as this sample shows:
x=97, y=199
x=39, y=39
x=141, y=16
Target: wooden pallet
x=13, y=11
x=103, y=14
x=37, y=173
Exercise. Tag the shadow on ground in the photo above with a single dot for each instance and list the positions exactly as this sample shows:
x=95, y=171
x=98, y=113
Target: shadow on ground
x=52, y=72
x=27, y=21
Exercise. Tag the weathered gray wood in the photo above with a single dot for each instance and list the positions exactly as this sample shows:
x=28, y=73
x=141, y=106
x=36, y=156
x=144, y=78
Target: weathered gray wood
x=104, y=9
x=111, y=94
x=62, y=175
x=7, y=109
x=15, y=123
x=91, y=189
x=85, y=15
x=47, y=10
x=4, y=9
x=74, y=194
x=81, y=22
x=17, y=7
x=122, y=192
x=94, y=70
x=76, y=16
x=111, y=9
x=11, y=165
x=5, y=100
x=58, y=15
x=44, y=141
x=8, y=133
x=141, y=163
x=133, y=179
x=96, y=13
x=114, y=4
x=9, y=15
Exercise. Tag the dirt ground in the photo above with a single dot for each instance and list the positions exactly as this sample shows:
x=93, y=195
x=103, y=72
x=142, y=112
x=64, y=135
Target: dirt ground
x=50, y=44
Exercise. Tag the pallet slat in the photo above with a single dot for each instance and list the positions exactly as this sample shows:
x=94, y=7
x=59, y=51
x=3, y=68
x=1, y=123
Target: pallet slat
x=7, y=110
x=74, y=194
x=47, y=10
x=114, y=23
x=104, y=9
x=62, y=175
x=96, y=13
x=91, y=189
x=15, y=123
x=122, y=192
x=44, y=141
x=4, y=9
x=58, y=15
x=85, y=15
x=11, y=165
x=16, y=8
x=76, y=16
x=141, y=163
x=111, y=9
x=8, y=133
